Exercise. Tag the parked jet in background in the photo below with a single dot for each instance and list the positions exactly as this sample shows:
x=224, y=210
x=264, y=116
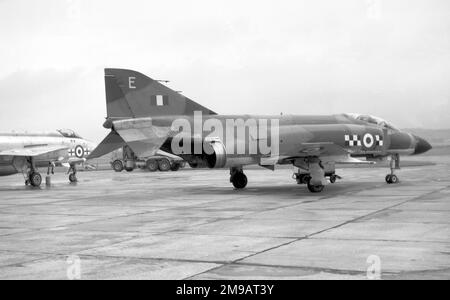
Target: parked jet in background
x=25, y=152
x=146, y=115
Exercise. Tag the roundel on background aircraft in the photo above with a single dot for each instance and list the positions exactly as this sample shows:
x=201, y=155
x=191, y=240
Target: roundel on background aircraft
x=79, y=151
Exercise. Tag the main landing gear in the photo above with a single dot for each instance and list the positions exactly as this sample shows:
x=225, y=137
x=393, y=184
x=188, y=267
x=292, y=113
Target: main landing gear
x=394, y=165
x=238, y=178
x=33, y=177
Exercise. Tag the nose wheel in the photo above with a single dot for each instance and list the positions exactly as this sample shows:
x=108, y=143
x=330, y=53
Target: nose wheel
x=391, y=179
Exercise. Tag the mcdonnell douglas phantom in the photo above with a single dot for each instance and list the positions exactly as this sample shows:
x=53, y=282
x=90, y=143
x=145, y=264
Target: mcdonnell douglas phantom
x=147, y=116
x=25, y=152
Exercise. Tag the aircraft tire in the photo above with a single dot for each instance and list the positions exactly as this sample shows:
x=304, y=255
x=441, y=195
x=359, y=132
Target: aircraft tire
x=388, y=179
x=73, y=178
x=152, y=165
x=35, y=179
x=175, y=167
x=394, y=179
x=117, y=166
x=164, y=165
x=239, y=180
x=315, y=188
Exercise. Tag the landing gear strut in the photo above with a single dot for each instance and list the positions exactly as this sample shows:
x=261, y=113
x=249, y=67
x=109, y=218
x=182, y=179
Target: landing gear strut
x=238, y=178
x=394, y=165
x=73, y=174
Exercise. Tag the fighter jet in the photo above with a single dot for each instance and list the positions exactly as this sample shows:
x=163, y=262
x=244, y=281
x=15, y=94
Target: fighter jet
x=25, y=152
x=147, y=115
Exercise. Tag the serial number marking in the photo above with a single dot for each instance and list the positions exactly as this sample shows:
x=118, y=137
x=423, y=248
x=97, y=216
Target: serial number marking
x=249, y=289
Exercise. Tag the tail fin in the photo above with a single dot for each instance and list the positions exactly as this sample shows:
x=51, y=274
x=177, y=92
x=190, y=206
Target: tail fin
x=130, y=94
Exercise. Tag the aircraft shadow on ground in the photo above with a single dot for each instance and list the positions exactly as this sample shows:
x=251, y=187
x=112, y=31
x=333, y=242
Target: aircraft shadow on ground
x=287, y=190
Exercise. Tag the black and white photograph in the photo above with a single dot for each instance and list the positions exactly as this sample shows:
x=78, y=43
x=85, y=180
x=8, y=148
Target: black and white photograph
x=225, y=146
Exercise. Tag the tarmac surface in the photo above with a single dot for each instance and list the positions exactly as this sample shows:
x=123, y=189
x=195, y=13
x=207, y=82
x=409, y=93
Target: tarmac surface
x=192, y=224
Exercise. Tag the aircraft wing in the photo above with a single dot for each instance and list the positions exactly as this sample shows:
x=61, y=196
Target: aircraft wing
x=33, y=151
x=330, y=152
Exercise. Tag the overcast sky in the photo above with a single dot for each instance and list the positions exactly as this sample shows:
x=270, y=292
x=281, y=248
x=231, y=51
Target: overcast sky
x=387, y=58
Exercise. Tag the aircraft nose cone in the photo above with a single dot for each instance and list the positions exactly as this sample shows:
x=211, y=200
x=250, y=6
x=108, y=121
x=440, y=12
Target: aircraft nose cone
x=422, y=146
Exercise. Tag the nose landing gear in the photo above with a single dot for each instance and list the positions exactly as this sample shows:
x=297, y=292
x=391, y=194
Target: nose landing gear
x=394, y=165
x=391, y=179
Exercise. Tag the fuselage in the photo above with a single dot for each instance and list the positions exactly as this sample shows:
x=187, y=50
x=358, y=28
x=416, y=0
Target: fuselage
x=244, y=136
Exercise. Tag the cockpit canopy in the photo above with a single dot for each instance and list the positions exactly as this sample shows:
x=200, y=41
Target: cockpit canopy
x=68, y=133
x=373, y=120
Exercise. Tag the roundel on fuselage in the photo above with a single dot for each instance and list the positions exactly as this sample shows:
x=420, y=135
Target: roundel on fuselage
x=368, y=140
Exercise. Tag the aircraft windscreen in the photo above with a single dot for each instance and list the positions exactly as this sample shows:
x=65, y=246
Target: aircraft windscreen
x=373, y=120
x=68, y=133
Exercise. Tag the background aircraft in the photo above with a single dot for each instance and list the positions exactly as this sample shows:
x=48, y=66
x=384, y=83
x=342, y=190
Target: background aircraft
x=141, y=112
x=25, y=152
